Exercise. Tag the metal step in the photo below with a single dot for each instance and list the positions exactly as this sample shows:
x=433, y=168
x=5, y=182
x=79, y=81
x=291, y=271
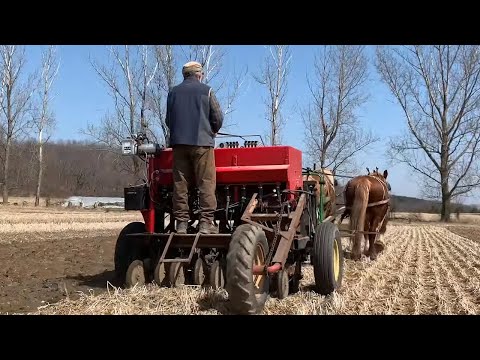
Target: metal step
x=167, y=246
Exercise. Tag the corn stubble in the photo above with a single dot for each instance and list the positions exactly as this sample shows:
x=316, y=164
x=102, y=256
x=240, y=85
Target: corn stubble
x=24, y=221
x=423, y=270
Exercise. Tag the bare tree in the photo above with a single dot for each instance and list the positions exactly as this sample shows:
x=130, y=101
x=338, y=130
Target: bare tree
x=212, y=59
x=15, y=95
x=128, y=79
x=164, y=80
x=332, y=131
x=438, y=89
x=147, y=75
x=273, y=75
x=226, y=88
x=43, y=118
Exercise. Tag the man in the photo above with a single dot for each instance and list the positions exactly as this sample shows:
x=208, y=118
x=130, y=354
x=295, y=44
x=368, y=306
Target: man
x=194, y=117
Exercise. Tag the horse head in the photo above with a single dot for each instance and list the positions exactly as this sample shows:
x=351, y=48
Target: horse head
x=382, y=177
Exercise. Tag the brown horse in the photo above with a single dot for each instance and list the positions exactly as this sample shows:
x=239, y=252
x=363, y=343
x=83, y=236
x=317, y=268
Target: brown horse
x=329, y=188
x=367, y=202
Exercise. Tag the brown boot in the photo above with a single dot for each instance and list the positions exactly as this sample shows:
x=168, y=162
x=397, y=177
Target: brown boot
x=207, y=228
x=182, y=227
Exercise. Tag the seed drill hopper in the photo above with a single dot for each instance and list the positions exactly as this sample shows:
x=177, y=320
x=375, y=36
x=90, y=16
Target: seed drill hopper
x=272, y=216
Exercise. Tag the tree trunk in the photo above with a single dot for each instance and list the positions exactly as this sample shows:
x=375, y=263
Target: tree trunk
x=322, y=159
x=5, y=171
x=273, y=130
x=40, y=168
x=445, y=213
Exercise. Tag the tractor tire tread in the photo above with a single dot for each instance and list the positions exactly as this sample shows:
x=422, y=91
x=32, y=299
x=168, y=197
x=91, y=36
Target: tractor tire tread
x=239, y=282
x=327, y=233
x=126, y=249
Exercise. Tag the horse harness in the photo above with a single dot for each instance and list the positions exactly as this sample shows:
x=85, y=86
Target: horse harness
x=384, y=201
x=377, y=203
x=381, y=202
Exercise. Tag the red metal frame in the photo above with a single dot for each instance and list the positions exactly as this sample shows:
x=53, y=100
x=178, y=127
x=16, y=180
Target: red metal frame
x=243, y=165
x=149, y=215
x=235, y=166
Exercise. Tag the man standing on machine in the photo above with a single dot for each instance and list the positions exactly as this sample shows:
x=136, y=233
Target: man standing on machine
x=193, y=117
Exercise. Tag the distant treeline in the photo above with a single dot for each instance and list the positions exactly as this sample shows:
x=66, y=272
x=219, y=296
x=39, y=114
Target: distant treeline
x=409, y=204
x=85, y=169
x=415, y=205
x=70, y=168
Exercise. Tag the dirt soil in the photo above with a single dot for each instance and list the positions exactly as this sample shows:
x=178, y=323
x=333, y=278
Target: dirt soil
x=37, y=272
x=423, y=270
x=471, y=232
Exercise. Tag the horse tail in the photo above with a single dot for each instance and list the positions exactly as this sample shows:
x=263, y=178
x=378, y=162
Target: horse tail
x=359, y=210
x=346, y=210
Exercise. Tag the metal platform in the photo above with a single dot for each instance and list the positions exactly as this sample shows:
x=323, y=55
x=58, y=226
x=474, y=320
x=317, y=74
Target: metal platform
x=187, y=240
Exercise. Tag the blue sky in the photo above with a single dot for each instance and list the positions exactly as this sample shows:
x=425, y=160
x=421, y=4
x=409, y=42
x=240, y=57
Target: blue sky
x=81, y=98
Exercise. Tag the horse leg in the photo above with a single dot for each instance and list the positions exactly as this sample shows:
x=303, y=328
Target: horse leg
x=357, y=216
x=372, y=238
x=372, y=249
x=357, y=240
x=345, y=214
x=357, y=247
x=366, y=249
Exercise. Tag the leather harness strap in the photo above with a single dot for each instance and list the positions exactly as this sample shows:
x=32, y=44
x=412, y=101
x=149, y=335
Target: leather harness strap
x=381, y=202
x=376, y=203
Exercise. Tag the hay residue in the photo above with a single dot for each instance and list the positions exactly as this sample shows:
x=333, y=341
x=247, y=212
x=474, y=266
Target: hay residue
x=183, y=300
x=423, y=270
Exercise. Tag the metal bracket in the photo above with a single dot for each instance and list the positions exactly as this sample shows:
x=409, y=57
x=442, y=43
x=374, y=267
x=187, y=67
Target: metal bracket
x=174, y=260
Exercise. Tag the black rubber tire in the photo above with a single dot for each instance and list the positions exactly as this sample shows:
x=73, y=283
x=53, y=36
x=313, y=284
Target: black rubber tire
x=243, y=298
x=127, y=249
x=326, y=238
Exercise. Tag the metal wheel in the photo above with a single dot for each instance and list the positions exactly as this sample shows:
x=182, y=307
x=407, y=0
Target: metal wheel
x=336, y=261
x=247, y=292
x=294, y=285
x=282, y=284
x=160, y=275
x=135, y=274
x=176, y=274
x=259, y=280
x=217, y=276
x=199, y=270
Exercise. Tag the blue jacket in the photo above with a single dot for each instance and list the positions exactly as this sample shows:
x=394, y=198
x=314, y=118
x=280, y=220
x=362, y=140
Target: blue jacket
x=193, y=114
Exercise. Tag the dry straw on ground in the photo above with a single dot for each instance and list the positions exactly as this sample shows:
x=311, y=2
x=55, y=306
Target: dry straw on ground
x=463, y=218
x=13, y=221
x=423, y=270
